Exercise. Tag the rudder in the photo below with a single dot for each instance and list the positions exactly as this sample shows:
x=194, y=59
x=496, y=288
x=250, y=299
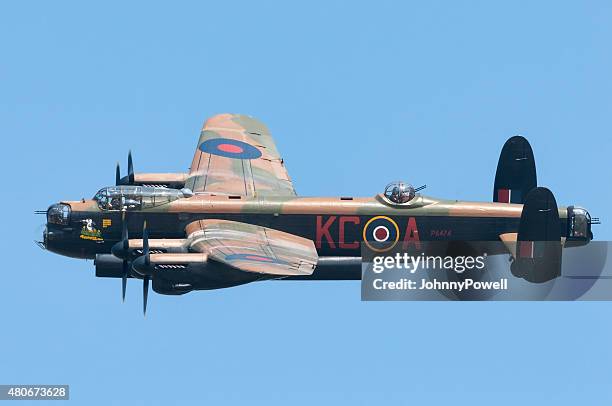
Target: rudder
x=516, y=172
x=538, y=251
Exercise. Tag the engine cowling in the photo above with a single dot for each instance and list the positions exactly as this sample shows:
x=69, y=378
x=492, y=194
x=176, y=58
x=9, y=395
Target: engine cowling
x=108, y=266
x=165, y=287
x=169, y=180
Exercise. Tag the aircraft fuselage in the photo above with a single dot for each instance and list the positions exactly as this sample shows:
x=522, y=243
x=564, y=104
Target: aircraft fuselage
x=336, y=225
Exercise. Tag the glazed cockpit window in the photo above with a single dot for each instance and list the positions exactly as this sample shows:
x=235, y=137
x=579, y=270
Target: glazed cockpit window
x=102, y=198
x=134, y=197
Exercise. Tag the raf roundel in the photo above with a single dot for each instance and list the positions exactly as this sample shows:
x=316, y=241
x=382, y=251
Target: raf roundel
x=380, y=233
x=229, y=148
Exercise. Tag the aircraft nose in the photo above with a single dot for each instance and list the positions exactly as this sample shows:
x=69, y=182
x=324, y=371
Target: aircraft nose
x=55, y=239
x=58, y=218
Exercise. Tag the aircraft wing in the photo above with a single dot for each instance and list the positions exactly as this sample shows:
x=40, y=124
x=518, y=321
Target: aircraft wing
x=252, y=248
x=236, y=155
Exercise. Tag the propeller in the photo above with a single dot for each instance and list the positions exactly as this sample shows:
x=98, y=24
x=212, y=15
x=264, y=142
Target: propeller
x=121, y=250
x=130, y=178
x=142, y=264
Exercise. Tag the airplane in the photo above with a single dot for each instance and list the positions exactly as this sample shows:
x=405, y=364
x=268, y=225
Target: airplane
x=236, y=218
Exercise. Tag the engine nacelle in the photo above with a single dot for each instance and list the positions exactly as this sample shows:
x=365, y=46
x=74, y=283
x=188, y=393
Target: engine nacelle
x=169, y=180
x=165, y=287
x=108, y=266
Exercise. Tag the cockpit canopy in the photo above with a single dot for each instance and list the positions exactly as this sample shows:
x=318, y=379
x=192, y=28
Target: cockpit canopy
x=136, y=197
x=399, y=192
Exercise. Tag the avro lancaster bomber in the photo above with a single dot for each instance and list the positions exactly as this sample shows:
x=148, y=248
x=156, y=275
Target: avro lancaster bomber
x=235, y=218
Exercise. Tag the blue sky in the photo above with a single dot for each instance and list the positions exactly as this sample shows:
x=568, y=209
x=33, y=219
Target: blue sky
x=356, y=95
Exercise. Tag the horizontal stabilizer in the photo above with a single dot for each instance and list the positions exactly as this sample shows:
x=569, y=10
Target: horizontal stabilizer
x=516, y=172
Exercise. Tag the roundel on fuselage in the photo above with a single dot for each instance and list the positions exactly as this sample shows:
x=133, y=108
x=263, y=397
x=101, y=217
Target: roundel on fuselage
x=380, y=233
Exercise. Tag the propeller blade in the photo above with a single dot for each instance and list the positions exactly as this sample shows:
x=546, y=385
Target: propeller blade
x=124, y=282
x=147, y=259
x=130, y=169
x=124, y=228
x=145, y=294
x=117, y=175
x=126, y=246
x=145, y=243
